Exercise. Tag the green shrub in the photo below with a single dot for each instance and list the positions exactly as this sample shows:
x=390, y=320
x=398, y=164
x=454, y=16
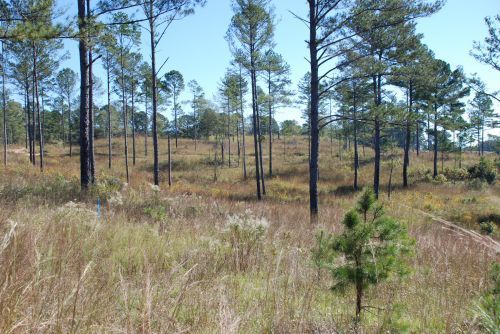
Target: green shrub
x=484, y=170
x=440, y=178
x=487, y=227
x=421, y=174
x=106, y=187
x=476, y=184
x=456, y=174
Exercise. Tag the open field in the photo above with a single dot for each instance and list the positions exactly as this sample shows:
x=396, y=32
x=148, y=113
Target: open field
x=170, y=260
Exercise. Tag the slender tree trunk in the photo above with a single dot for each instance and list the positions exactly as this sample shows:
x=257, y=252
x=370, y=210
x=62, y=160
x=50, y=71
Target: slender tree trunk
x=435, y=164
x=35, y=80
x=155, y=107
x=84, y=98
x=482, y=138
x=133, y=126
x=355, y=134
x=26, y=114
x=4, y=107
x=243, y=127
x=169, y=162
x=389, y=186
x=254, y=123
x=28, y=124
x=69, y=127
x=418, y=138
x=33, y=118
x=261, y=164
x=108, y=64
x=376, y=139
x=314, y=126
x=406, y=161
x=125, y=111
x=270, y=126
x=175, y=117
x=146, y=129
x=229, y=131
x=91, y=114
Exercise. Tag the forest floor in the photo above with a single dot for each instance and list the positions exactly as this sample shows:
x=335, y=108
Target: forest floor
x=169, y=260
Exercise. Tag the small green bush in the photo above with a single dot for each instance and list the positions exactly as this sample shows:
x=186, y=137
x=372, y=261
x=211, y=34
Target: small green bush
x=487, y=227
x=477, y=184
x=484, y=170
x=440, y=179
x=456, y=174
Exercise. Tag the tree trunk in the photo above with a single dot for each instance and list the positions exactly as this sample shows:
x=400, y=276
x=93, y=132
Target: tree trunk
x=33, y=118
x=133, y=126
x=28, y=124
x=155, y=107
x=84, y=99
x=125, y=116
x=418, y=139
x=406, y=162
x=270, y=132
x=254, y=119
x=91, y=107
x=146, y=129
x=109, y=108
x=314, y=126
x=229, y=131
x=355, y=134
x=376, y=138
x=169, y=162
x=69, y=127
x=91, y=115
x=243, y=127
x=35, y=80
x=175, y=116
x=259, y=130
x=435, y=164
x=4, y=107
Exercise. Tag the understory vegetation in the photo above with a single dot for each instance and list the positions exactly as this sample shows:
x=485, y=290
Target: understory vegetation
x=201, y=257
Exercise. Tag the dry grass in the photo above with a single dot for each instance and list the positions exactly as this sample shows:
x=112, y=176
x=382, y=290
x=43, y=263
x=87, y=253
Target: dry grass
x=206, y=257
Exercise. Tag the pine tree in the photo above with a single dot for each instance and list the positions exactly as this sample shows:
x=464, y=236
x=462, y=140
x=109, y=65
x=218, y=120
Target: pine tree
x=371, y=249
x=250, y=32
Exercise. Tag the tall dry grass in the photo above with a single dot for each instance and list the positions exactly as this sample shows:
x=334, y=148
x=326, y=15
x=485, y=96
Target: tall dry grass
x=205, y=257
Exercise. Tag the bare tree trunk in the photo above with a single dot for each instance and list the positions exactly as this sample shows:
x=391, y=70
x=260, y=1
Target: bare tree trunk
x=314, y=123
x=4, y=107
x=35, y=80
x=406, y=162
x=108, y=64
x=243, y=127
x=133, y=125
x=91, y=107
x=254, y=121
x=169, y=162
x=125, y=116
x=435, y=164
x=259, y=130
x=155, y=107
x=84, y=99
x=270, y=132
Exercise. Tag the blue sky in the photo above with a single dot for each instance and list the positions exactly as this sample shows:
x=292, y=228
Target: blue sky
x=196, y=46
